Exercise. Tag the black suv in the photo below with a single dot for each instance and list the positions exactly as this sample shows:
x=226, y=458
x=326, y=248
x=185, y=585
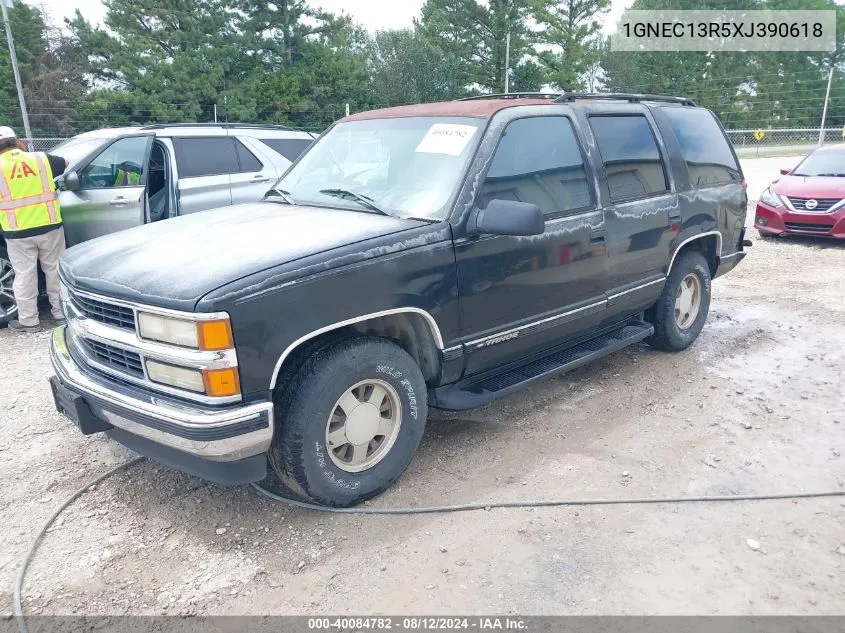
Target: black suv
x=435, y=255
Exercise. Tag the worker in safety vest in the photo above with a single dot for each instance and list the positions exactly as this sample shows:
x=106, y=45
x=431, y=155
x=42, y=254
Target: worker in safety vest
x=31, y=223
x=128, y=175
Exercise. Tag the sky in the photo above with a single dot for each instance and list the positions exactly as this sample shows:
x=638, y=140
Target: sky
x=373, y=14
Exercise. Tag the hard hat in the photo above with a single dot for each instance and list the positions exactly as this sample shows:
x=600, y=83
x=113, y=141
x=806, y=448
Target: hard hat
x=6, y=132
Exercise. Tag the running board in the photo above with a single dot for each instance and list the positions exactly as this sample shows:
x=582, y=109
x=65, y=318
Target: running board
x=474, y=393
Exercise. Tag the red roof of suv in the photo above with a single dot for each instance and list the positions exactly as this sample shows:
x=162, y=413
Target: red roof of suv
x=475, y=107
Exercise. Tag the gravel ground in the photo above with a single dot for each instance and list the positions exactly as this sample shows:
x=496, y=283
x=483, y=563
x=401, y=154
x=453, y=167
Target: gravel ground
x=756, y=405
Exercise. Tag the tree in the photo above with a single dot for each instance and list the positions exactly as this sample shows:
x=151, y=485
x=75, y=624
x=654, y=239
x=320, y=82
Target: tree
x=173, y=57
x=472, y=39
x=571, y=28
x=50, y=74
x=405, y=67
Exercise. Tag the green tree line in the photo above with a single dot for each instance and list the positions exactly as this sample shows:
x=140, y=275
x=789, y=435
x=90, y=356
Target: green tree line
x=287, y=61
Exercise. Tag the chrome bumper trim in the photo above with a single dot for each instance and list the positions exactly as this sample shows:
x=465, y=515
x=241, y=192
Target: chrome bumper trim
x=158, y=410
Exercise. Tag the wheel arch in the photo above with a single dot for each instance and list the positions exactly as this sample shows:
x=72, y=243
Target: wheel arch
x=708, y=244
x=413, y=329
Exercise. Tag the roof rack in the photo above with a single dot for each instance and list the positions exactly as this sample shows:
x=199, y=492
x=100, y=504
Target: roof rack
x=514, y=95
x=568, y=97
x=265, y=126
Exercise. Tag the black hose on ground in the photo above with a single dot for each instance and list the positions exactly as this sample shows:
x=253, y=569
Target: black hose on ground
x=461, y=507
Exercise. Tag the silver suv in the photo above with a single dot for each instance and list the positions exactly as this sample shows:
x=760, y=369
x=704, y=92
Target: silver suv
x=118, y=178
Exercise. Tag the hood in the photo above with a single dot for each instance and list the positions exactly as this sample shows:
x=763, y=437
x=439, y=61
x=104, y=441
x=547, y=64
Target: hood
x=811, y=186
x=175, y=262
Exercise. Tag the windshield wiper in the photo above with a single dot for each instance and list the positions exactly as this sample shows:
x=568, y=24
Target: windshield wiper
x=281, y=193
x=364, y=201
x=833, y=175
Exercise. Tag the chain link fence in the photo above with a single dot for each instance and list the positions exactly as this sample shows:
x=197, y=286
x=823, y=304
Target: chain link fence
x=45, y=144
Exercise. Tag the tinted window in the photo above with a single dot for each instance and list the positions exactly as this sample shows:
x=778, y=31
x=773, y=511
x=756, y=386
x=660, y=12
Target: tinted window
x=703, y=146
x=121, y=164
x=631, y=158
x=290, y=148
x=247, y=159
x=538, y=161
x=208, y=156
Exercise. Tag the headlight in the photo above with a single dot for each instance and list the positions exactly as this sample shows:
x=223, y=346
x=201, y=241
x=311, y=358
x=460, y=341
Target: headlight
x=204, y=335
x=770, y=198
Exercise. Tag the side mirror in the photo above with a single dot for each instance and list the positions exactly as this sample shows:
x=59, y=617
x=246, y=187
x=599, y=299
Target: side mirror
x=785, y=170
x=68, y=181
x=507, y=217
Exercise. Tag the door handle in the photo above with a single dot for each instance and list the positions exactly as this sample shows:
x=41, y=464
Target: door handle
x=260, y=179
x=118, y=201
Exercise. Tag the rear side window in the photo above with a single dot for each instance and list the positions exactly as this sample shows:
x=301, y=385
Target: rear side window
x=703, y=146
x=205, y=156
x=290, y=148
x=248, y=161
x=631, y=157
x=538, y=160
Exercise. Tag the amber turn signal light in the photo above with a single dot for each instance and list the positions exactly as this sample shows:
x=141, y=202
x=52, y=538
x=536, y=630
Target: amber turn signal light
x=215, y=335
x=221, y=382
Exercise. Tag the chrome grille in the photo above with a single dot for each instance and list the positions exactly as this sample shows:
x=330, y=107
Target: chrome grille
x=113, y=357
x=108, y=313
x=822, y=204
x=811, y=228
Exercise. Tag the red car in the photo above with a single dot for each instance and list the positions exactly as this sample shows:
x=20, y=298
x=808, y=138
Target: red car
x=807, y=200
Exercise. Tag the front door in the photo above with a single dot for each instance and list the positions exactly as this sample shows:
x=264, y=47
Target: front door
x=253, y=178
x=111, y=191
x=520, y=295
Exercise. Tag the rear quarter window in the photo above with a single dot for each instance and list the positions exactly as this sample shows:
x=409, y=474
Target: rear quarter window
x=703, y=147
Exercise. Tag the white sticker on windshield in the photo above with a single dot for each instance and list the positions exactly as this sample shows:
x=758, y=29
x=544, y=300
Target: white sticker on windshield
x=446, y=138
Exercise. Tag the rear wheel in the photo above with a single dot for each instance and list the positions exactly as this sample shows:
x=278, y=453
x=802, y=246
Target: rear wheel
x=679, y=314
x=349, y=421
x=8, y=305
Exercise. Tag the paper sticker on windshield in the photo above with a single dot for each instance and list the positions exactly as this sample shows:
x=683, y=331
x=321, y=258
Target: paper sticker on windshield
x=446, y=138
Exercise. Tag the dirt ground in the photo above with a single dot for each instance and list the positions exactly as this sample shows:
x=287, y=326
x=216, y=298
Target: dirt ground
x=756, y=405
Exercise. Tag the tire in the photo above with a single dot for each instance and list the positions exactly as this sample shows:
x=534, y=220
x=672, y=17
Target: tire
x=341, y=473
x=8, y=307
x=674, y=331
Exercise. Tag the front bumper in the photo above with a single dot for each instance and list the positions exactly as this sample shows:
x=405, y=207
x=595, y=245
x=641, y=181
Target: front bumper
x=224, y=444
x=782, y=221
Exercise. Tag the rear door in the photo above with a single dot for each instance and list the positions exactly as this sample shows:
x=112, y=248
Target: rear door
x=111, y=191
x=254, y=176
x=203, y=165
x=641, y=204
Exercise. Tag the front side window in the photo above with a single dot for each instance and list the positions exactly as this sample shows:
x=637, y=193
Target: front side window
x=121, y=164
x=703, y=146
x=290, y=148
x=538, y=160
x=630, y=155
x=405, y=166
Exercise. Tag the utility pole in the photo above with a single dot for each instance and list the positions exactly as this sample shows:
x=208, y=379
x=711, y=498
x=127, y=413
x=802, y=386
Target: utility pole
x=824, y=110
x=215, y=105
x=507, y=61
x=17, y=74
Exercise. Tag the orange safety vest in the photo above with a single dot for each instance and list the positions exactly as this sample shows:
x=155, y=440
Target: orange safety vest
x=28, y=197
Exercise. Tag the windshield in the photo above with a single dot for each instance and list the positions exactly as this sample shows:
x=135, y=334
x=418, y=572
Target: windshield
x=76, y=149
x=822, y=163
x=408, y=167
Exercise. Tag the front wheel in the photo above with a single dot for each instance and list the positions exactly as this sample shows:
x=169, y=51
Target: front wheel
x=349, y=422
x=8, y=304
x=679, y=314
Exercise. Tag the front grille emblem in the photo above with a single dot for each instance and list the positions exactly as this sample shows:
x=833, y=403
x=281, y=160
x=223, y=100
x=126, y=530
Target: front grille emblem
x=811, y=204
